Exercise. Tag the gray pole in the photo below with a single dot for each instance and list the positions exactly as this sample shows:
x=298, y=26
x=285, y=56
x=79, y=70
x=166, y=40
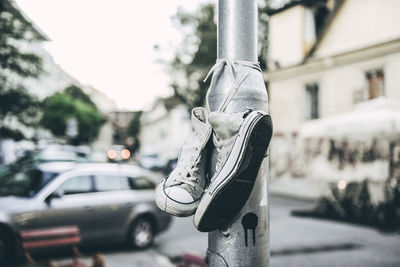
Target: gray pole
x=237, y=39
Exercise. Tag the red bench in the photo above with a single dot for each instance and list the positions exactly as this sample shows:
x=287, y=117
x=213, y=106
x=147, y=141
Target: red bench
x=189, y=260
x=55, y=237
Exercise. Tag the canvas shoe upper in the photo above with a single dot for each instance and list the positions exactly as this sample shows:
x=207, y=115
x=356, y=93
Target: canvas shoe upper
x=225, y=127
x=241, y=140
x=180, y=192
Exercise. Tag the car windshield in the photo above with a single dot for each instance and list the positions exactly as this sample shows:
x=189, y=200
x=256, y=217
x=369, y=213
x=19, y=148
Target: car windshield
x=24, y=183
x=40, y=156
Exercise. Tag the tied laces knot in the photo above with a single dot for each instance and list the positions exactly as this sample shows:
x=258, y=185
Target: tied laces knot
x=219, y=65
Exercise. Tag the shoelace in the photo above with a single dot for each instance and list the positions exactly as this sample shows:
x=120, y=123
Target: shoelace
x=189, y=169
x=218, y=68
x=191, y=165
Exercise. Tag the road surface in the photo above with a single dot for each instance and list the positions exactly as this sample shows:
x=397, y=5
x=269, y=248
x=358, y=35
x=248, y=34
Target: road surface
x=295, y=242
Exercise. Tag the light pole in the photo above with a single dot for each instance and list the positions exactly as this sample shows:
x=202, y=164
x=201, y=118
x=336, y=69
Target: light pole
x=245, y=241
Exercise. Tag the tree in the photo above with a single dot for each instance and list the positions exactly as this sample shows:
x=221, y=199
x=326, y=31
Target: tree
x=76, y=93
x=59, y=108
x=133, y=132
x=15, y=65
x=198, y=52
x=195, y=56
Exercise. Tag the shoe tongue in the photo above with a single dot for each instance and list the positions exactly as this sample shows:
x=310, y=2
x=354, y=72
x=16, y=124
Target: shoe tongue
x=199, y=119
x=225, y=125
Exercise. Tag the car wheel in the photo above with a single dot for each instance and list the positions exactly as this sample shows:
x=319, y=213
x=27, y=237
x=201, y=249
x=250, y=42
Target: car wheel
x=141, y=234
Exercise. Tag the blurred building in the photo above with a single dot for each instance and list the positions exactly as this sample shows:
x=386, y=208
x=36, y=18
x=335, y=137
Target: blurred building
x=53, y=79
x=164, y=128
x=125, y=127
x=325, y=57
x=105, y=137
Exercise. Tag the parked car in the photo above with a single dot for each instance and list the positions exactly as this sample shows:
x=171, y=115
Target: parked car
x=50, y=153
x=109, y=203
x=53, y=153
x=152, y=161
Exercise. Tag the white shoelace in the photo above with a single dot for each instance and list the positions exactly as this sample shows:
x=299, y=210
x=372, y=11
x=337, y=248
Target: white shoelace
x=218, y=68
x=190, y=167
x=192, y=164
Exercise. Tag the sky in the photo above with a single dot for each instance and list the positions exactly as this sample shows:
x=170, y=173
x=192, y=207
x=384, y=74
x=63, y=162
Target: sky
x=110, y=44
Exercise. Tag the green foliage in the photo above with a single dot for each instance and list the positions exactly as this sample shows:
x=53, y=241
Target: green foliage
x=76, y=93
x=15, y=64
x=60, y=107
x=13, y=134
x=89, y=122
x=198, y=52
x=195, y=57
x=57, y=109
x=19, y=103
x=14, y=28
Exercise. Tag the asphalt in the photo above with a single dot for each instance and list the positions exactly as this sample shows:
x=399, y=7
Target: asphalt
x=312, y=242
x=294, y=242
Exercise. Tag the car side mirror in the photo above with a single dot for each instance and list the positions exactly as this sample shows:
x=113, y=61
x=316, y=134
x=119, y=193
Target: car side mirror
x=55, y=194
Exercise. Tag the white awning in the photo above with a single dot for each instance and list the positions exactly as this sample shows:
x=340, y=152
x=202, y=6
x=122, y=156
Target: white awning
x=377, y=118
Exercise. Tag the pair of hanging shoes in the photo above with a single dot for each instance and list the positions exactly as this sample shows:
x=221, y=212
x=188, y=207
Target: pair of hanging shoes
x=241, y=140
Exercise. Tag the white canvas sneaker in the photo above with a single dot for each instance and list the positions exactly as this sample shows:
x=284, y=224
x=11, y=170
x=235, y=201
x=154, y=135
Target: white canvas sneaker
x=241, y=140
x=179, y=194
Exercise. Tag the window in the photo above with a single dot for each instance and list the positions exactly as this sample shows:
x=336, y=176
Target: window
x=141, y=183
x=312, y=109
x=26, y=183
x=111, y=183
x=77, y=185
x=375, y=83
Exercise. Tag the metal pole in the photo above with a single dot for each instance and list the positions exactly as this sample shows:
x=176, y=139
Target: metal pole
x=237, y=39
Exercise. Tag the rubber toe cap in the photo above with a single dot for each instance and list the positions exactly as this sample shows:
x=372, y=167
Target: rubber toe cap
x=179, y=195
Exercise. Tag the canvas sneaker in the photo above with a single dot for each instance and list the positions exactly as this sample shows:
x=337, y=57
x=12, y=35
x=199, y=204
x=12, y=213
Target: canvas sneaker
x=179, y=194
x=241, y=140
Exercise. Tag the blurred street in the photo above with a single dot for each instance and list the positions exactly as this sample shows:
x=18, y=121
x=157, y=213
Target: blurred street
x=91, y=120
x=294, y=242
x=311, y=242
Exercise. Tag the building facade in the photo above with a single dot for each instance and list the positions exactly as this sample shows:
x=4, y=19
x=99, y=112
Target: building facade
x=326, y=57
x=163, y=129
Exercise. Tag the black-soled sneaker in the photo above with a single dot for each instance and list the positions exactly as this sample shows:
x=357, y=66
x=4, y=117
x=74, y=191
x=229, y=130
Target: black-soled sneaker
x=241, y=140
x=179, y=194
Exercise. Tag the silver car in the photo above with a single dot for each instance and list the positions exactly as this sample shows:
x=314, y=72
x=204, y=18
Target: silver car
x=108, y=202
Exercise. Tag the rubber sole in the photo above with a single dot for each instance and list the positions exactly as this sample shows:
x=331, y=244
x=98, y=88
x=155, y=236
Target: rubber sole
x=230, y=197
